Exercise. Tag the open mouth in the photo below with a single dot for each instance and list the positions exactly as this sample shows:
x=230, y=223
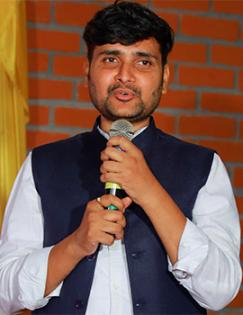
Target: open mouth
x=123, y=95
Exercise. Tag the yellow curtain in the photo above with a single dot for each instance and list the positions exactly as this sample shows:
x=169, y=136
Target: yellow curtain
x=13, y=93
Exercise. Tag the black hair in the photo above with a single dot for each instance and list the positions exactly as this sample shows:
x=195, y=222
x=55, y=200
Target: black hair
x=127, y=23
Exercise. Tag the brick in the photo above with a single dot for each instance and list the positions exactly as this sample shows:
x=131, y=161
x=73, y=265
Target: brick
x=207, y=126
x=37, y=62
x=217, y=102
x=74, y=13
x=171, y=18
x=214, y=28
x=230, y=151
x=238, y=177
x=178, y=99
x=74, y=117
x=228, y=55
x=189, y=52
x=239, y=202
x=241, y=129
x=37, y=138
x=72, y=66
x=39, y=115
x=165, y=122
x=50, y=89
x=38, y=11
x=211, y=77
x=238, y=300
x=241, y=80
x=83, y=93
x=232, y=6
x=53, y=40
x=182, y=5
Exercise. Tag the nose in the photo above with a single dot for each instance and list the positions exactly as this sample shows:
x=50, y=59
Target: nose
x=125, y=74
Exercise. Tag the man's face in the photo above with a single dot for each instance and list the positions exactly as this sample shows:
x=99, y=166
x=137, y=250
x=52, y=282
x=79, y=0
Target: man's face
x=126, y=81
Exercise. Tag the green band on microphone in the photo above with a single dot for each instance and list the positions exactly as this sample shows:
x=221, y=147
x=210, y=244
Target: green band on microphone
x=112, y=207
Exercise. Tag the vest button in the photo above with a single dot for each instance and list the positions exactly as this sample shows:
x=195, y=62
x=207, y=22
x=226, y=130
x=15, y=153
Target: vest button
x=135, y=255
x=138, y=304
x=78, y=304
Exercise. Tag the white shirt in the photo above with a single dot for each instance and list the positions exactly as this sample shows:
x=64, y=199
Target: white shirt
x=208, y=259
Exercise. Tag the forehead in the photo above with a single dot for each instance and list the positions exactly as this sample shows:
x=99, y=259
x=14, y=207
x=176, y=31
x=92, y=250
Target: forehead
x=148, y=46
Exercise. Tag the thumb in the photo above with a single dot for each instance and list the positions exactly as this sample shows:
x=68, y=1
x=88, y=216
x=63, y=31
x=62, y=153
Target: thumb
x=127, y=201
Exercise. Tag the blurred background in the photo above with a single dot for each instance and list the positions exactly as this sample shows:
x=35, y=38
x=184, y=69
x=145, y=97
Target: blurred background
x=204, y=104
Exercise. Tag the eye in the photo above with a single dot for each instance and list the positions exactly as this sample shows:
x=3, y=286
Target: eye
x=145, y=63
x=109, y=60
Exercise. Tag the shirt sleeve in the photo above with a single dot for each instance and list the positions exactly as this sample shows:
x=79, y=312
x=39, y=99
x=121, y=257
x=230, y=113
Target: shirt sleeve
x=208, y=263
x=23, y=260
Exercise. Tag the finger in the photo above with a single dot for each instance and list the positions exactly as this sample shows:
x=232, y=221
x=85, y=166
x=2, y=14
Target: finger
x=112, y=153
x=122, y=222
x=113, y=216
x=104, y=156
x=127, y=202
x=95, y=205
x=122, y=142
x=119, y=236
x=110, y=166
x=106, y=238
x=110, y=177
x=108, y=199
x=112, y=228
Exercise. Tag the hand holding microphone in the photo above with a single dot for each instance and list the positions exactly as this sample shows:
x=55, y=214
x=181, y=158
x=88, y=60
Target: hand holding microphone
x=123, y=128
x=125, y=170
x=98, y=225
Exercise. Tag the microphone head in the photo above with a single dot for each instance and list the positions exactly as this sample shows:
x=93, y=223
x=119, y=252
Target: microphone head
x=122, y=127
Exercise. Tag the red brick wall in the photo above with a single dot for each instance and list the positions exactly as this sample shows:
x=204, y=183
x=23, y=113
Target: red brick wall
x=205, y=101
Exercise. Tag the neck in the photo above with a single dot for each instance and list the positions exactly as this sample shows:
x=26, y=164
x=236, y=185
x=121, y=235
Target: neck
x=105, y=124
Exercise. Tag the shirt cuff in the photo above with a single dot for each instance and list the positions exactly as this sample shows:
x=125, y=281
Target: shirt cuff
x=32, y=280
x=193, y=250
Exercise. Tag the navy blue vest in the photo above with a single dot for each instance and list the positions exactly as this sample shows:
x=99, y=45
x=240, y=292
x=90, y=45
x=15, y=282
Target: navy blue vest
x=66, y=175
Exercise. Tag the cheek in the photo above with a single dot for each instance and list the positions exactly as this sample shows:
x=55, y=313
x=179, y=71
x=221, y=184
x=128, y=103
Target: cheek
x=150, y=84
x=101, y=81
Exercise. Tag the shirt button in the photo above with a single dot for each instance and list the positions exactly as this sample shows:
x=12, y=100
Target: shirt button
x=78, y=304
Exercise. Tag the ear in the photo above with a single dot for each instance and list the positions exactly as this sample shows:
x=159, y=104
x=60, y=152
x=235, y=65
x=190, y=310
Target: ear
x=166, y=77
x=85, y=66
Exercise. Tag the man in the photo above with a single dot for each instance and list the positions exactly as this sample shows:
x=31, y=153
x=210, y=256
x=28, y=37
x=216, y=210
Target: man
x=172, y=245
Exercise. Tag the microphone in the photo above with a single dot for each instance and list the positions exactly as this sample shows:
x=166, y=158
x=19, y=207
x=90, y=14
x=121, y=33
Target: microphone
x=120, y=127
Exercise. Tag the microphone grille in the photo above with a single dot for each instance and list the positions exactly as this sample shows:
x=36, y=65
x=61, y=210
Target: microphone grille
x=122, y=127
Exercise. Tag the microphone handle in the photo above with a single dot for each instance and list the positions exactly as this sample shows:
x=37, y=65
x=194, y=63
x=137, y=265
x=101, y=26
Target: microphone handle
x=115, y=190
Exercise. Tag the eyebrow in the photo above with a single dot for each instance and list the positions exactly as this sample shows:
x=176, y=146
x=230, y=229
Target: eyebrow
x=146, y=54
x=116, y=52
x=110, y=52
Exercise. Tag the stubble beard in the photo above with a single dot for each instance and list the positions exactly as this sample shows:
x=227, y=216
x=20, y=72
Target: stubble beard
x=140, y=113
